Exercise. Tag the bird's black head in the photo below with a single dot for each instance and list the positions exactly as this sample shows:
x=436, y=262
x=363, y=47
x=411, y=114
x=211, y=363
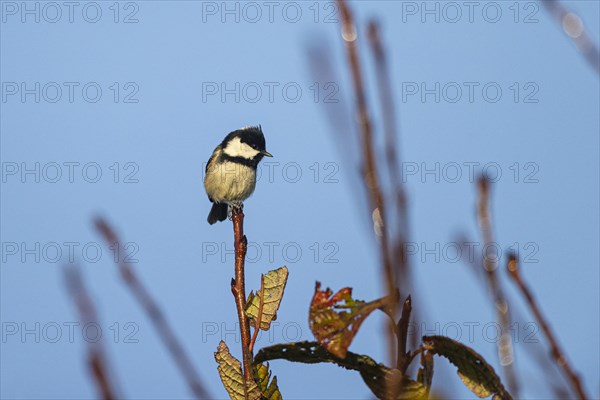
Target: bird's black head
x=246, y=144
x=253, y=136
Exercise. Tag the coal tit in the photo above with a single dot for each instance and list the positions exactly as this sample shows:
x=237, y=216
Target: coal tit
x=231, y=170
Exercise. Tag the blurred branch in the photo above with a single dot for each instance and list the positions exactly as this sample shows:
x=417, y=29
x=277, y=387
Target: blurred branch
x=505, y=346
x=87, y=314
x=533, y=348
x=391, y=132
x=389, y=114
x=573, y=27
x=557, y=353
x=337, y=112
x=403, y=359
x=390, y=124
x=369, y=168
x=154, y=313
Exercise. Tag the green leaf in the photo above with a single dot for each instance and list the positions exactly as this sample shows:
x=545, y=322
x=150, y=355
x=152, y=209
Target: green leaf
x=473, y=370
x=334, y=323
x=376, y=376
x=230, y=370
x=274, y=284
x=270, y=391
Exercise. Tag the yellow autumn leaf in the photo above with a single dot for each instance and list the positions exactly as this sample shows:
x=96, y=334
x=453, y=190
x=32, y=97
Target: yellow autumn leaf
x=274, y=284
x=230, y=370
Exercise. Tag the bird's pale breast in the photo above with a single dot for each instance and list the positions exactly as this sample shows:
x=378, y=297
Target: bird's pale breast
x=230, y=182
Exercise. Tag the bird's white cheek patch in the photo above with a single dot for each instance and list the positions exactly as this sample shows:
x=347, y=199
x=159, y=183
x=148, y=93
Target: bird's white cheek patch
x=235, y=148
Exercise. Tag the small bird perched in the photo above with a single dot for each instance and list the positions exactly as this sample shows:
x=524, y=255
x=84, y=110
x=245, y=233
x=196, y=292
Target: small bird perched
x=231, y=170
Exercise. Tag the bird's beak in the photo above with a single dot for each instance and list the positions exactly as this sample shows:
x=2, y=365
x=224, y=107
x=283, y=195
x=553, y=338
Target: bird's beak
x=266, y=153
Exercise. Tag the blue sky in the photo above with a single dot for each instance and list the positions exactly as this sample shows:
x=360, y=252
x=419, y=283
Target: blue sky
x=115, y=108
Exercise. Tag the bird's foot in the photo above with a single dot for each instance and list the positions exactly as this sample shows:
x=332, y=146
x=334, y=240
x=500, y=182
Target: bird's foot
x=235, y=208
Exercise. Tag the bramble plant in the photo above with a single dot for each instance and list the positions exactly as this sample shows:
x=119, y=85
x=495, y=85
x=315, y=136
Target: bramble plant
x=334, y=320
x=335, y=317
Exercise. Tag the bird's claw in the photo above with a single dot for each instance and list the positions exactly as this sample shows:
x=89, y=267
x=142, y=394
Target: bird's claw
x=234, y=208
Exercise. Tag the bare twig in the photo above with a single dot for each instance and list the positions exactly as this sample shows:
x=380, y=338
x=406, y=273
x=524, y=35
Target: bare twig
x=533, y=348
x=339, y=114
x=415, y=353
x=573, y=27
x=426, y=371
x=490, y=265
x=389, y=116
x=402, y=334
x=369, y=168
x=87, y=314
x=557, y=353
x=259, y=314
x=390, y=127
x=389, y=112
x=97, y=364
x=238, y=289
x=155, y=314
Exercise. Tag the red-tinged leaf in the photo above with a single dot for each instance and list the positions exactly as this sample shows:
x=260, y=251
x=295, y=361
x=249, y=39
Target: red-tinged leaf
x=335, y=320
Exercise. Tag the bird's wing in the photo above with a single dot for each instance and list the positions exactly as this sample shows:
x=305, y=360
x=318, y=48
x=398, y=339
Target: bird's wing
x=210, y=160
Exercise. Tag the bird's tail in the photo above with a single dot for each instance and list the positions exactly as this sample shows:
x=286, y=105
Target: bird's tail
x=218, y=212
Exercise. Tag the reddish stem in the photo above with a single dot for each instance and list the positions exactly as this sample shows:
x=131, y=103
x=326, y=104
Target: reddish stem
x=239, y=291
x=557, y=353
x=261, y=304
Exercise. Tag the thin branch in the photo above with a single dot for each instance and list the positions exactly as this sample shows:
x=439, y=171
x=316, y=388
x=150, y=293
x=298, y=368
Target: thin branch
x=259, y=314
x=426, y=371
x=155, y=314
x=369, y=168
x=97, y=364
x=238, y=289
x=557, y=353
x=573, y=27
x=402, y=333
x=87, y=314
x=390, y=127
x=415, y=353
x=533, y=348
x=490, y=265
x=339, y=114
x=388, y=108
x=389, y=112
